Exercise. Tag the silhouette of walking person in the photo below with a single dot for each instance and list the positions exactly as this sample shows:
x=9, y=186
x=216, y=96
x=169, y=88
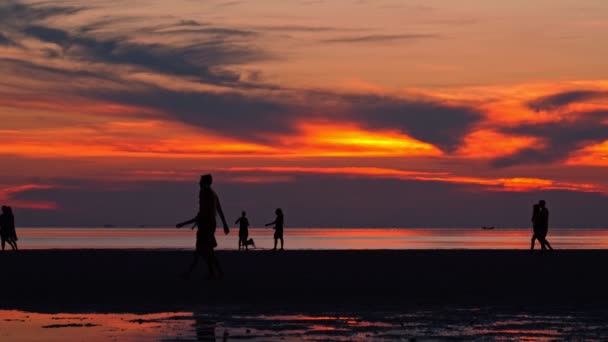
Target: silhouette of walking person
x=7, y=228
x=208, y=205
x=278, y=228
x=543, y=225
x=536, y=227
x=243, y=223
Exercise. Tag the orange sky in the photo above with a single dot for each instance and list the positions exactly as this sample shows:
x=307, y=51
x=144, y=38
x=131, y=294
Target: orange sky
x=500, y=96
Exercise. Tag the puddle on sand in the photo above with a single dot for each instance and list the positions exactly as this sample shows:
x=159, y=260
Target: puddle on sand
x=479, y=324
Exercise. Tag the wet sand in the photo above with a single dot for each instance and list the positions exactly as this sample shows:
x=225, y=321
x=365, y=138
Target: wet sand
x=148, y=280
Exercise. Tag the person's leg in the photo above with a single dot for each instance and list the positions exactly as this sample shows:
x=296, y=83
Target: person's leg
x=216, y=262
x=209, y=259
x=212, y=261
x=15, y=243
x=547, y=244
x=541, y=240
x=192, y=264
x=275, y=244
x=281, y=243
x=12, y=244
x=532, y=245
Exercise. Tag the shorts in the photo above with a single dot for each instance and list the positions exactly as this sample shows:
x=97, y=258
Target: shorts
x=205, y=239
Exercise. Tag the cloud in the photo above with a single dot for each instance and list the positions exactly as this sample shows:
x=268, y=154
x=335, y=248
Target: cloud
x=263, y=117
x=561, y=138
x=219, y=31
x=297, y=28
x=30, y=71
x=228, y=4
x=373, y=38
x=204, y=57
x=430, y=121
x=4, y=40
x=202, y=61
x=560, y=100
x=11, y=195
x=13, y=12
x=190, y=23
x=333, y=200
x=228, y=113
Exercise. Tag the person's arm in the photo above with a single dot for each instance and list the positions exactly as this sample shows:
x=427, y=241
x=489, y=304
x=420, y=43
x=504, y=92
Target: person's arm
x=237, y=220
x=271, y=223
x=219, y=211
x=181, y=224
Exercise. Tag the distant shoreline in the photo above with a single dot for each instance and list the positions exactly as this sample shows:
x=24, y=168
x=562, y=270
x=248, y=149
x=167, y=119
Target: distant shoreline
x=309, y=238
x=336, y=228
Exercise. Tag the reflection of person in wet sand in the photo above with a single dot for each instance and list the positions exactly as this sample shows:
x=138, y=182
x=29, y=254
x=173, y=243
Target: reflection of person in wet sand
x=540, y=224
x=243, y=223
x=206, y=330
x=278, y=228
x=209, y=204
x=7, y=228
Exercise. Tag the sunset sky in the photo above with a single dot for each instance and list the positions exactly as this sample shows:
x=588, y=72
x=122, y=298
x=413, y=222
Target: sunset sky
x=345, y=113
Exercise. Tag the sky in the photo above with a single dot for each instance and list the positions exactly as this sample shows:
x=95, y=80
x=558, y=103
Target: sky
x=345, y=113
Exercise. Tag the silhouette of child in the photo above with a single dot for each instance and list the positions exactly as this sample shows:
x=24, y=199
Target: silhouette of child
x=208, y=205
x=278, y=228
x=243, y=223
x=7, y=228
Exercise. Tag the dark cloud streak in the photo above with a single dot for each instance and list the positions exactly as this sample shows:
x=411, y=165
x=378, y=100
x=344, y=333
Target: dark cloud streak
x=560, y=100
x=6, y=41
x=203, y=61
x=562, y=138
x=374, y=38
x=13, y=12
x=426, y=120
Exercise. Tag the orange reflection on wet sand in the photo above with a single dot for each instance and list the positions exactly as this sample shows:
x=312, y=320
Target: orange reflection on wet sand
x=27, y=326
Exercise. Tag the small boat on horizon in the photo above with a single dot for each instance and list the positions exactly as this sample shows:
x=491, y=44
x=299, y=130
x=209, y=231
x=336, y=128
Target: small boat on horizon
x=484, y=227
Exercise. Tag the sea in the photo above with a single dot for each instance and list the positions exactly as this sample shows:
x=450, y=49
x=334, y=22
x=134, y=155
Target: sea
x=311, y=238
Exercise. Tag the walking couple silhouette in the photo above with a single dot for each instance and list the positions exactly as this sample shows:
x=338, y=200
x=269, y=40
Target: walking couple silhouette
x=540, y=225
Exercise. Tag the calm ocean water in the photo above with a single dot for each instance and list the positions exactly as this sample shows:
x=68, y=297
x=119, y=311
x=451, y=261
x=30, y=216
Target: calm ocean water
x=312, y=238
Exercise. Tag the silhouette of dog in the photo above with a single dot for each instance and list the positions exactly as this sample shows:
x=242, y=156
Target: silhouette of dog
x=248, y=243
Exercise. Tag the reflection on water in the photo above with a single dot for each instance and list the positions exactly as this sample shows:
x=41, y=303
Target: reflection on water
x=313, y=238
x=451, y=324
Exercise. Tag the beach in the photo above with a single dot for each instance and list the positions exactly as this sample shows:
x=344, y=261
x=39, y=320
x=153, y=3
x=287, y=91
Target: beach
x=304, y=280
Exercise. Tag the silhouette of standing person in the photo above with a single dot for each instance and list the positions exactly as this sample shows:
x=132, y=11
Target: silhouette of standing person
x=536, y=227
x=208, y=205
x=543, y=224
x=7, y=228
x=278, y=228
x=243, y=223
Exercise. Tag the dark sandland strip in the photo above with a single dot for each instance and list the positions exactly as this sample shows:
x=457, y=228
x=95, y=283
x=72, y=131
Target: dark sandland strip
x=133, y=281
